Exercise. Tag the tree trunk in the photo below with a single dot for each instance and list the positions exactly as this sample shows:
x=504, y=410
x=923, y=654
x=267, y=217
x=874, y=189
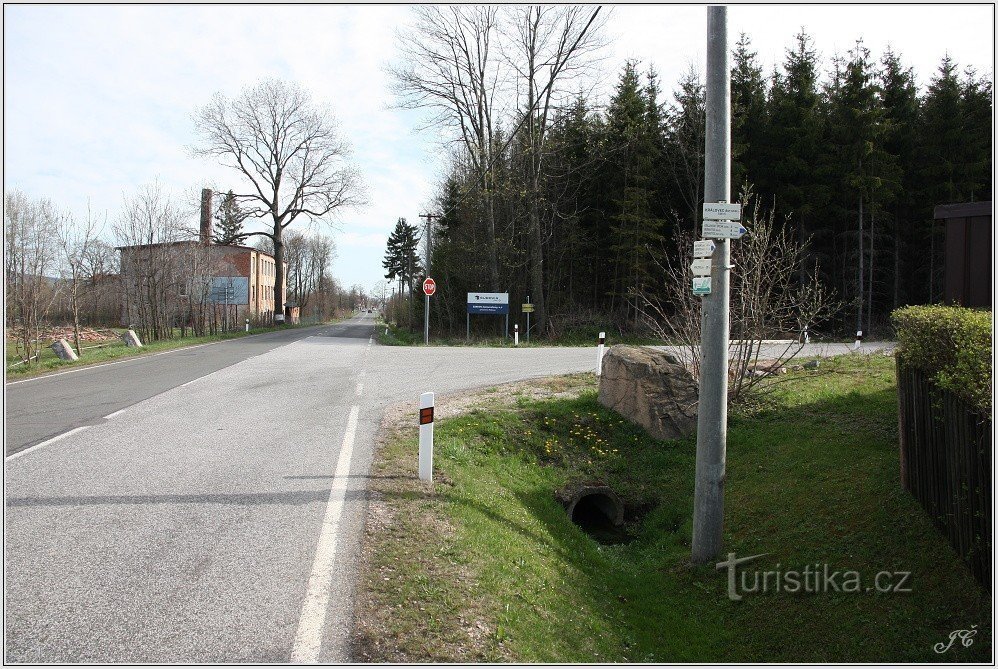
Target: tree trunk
x=859, y=285
x=75, y=306
x=869, y=281
x=278, y=271
x=537, y=262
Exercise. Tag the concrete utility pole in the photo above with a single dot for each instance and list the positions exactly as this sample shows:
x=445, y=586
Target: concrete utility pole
x=712, y=414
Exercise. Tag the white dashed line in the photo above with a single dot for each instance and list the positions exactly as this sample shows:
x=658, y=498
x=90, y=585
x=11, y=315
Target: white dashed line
x=47, y=442
x=308, y=640
x=360, y=389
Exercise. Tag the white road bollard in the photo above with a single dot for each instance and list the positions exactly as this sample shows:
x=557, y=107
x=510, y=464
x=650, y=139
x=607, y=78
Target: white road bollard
x=859, y=340
x=516, y=334
x=599, y=353
x=247, y=325
x=426, y=437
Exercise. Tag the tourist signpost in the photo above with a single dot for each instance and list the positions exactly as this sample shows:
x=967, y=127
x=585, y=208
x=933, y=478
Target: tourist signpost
x=528, y=308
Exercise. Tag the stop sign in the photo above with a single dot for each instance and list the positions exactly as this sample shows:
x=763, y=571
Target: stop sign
x=429, y=286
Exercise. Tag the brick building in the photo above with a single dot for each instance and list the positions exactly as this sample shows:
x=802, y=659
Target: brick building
x=240, y=279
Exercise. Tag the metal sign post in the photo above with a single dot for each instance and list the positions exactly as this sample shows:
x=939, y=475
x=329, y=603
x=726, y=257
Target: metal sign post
x=712, y=411
x=429, y=288
x=528, y=308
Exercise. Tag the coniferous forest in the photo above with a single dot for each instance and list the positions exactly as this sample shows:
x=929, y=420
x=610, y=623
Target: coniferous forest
x=577, y=204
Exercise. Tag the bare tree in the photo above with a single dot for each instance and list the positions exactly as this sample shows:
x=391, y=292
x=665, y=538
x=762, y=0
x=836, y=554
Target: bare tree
x=768, y=301
x=291, y=153
x=309, y=256
x=30, y=252
x=101, y=291
x=550, y=47
x=76, y=242
x=154, y=261
x=450, y=64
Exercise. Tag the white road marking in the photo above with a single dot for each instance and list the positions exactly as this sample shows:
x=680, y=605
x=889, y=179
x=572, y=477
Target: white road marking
x=119, y=411
x=360, y=389
x=308, y=640
x=47, y=442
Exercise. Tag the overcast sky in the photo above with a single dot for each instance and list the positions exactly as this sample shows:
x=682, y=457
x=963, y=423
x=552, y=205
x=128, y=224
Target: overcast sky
x=98, y=99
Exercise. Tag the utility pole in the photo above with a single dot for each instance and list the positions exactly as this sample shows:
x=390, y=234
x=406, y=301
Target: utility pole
x=712, y=413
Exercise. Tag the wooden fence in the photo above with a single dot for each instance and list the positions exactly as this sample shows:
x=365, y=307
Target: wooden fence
x=946, y=465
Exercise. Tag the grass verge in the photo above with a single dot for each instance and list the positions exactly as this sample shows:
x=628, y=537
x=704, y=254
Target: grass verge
x=483, y=564
x=48, y=361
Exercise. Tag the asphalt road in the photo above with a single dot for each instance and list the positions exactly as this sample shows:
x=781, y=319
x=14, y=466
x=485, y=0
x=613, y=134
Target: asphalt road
x=45, y=406
x=217, y=520
x=206, y=505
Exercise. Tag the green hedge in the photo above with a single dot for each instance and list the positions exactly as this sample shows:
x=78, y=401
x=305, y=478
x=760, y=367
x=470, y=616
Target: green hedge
x=952, y=345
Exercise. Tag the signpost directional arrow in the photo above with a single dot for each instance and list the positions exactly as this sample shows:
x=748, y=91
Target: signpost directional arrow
x=723, y=229
x=704, y=248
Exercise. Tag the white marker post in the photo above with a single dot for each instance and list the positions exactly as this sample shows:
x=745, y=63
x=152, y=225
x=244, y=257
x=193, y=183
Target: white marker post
x=247, y=325
x=426, y=437
x=859, y=340
x=516, y=334
x=599, y=353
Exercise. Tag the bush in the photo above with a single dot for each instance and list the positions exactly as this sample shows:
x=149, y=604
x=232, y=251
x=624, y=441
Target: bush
x=952, y=345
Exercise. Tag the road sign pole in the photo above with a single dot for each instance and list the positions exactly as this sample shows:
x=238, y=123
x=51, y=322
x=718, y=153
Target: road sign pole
x=426, y=323
x=528, y=320
x=712, y=418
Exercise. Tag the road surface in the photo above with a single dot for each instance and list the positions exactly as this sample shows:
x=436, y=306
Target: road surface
x=206, y=505
x=204, y=522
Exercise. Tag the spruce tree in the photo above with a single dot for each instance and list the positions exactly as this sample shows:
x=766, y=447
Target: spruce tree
x=796, y=128
x=900, y=101
x=940, y=150
x=230, y=219
x=748, y=118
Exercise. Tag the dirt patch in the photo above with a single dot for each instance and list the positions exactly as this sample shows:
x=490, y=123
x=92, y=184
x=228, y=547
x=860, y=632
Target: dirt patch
x=408, y=532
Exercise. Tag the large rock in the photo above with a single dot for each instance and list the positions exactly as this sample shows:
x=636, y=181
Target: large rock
x=64, y=350
x=651, y=388
x=131, y=339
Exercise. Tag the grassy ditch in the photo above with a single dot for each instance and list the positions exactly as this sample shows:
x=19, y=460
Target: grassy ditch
x=484, y=565
x=48, y=361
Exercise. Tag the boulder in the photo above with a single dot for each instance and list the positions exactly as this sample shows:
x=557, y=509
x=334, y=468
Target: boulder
x=64, y=350
x=131, y=339
x=651, y=388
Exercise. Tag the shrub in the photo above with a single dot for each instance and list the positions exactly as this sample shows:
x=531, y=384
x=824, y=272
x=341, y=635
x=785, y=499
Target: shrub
x=952, y=345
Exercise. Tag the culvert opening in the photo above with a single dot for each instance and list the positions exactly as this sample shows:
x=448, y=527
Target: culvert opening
x=599, y=513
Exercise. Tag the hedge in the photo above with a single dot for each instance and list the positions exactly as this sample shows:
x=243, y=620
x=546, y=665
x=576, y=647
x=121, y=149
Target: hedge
x=950, y=344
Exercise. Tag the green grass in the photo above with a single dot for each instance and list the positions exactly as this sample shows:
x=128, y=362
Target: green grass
x=812, y=477
x=48, y=361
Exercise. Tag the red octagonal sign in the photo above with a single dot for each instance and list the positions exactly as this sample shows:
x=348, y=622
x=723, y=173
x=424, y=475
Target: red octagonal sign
x=429, y=286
